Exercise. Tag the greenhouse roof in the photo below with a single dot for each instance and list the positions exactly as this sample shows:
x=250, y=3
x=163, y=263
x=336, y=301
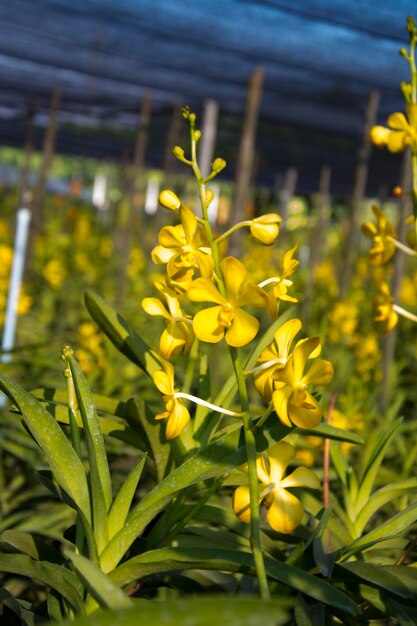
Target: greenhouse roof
x=321, y=59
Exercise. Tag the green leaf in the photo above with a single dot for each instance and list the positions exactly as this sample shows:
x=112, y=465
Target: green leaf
x=123, y=501
x=111, y=414
x=330, y=432
x=20, y=608
x=391, y=528
x=20, y=541
x=169, y=559
x=101, y=492
x=199, y=611
x=142, y=420
x=220, y=456
x=381, y=497
x=374, y=454
x=55, y=576
x=98, y=584
x=378, y=577
x=65, y=465
x=122, y=336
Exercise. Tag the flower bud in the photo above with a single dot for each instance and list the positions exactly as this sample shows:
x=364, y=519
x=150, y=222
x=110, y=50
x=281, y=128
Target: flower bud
x=379, y=136
x=218, y=165
x=209, y=196
x=197, y=135
x=169, y=200
x=185, y=112
x=178, y=152
x=265, y=229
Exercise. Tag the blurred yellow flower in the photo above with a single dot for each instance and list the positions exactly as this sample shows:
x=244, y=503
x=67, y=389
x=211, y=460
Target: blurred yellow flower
x=285, y=510
x=281, y=283
x=401, y=132
x=227, y=319
x=343, y=322
x=381, y=234
x=176, y=413
x=55, y=273
x=383, y=304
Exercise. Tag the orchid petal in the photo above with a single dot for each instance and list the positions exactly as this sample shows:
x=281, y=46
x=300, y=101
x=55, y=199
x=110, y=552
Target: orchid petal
x=243, y=329
x=204, y=290
x=285, y=512
x=301, y=353
x=153, y=306
x=234, y=274
x=163, y=382
x=301, y=477
x=320, y=373
x=280, y=398
x=241, y=503
x=206, y=324
x=279, y=456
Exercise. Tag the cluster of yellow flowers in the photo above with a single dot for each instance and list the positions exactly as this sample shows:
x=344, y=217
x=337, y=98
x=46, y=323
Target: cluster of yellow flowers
x=197, y=272
x=400, y=135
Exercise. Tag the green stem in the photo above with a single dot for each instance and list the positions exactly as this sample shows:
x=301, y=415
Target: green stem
x=414, y=190
x=252, y=474
x=243, y=394
x=232, y=230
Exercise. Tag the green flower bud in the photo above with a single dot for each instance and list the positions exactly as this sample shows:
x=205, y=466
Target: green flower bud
x=178, y=152
x=197, y=135
x=185, y=112
x=169, y=200
x=218, y=165
x=406, y=90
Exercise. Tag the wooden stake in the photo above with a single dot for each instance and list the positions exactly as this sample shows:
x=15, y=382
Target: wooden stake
x=359, y=186
x=317, y=238
x=27, y=154
x=47, y=154
x=246, y=150
x=129, y=227
x=174, y=133
x=389, y=342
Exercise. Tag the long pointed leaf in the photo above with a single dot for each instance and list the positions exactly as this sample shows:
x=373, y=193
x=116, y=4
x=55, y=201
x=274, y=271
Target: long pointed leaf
x=101, y=492
x=65, y=465
x=123, y=337
x=168, y=559
x=105, y=592
x=123, y=501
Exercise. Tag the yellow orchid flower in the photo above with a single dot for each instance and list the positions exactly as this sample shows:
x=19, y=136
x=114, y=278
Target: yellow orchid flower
x=176, y=413
x=383, y=304
x=293, y=403
x=178, y=336
x=285, y=511
x=265, y=229
x=274, y=358
x=183, y=248
x=382, y=233
x=227, y=319
x=281, y=283
x=401, y=131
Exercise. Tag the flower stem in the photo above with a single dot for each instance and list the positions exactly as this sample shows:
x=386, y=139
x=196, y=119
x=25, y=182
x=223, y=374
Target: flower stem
x=405, y=313
x=253, y=478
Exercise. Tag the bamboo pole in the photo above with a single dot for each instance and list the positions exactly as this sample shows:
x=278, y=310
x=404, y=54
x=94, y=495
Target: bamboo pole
x=173, y=139
x=359, y=186
x=47, y=154
x=389, y=342
x=130, y=227
x=246, y=151
x=317, y=238
x=27, y=154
